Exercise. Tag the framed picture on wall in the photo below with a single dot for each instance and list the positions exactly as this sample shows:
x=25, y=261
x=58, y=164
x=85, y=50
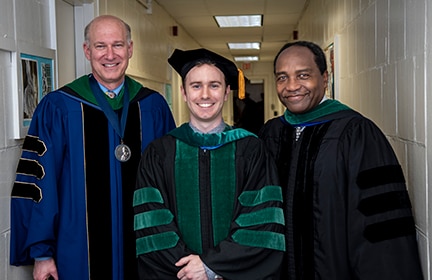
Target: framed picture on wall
x=33, y=77
x=37, y=80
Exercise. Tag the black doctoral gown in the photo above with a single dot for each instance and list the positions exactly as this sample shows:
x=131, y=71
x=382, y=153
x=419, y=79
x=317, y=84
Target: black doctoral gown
x=214, y=195
x=347, y=209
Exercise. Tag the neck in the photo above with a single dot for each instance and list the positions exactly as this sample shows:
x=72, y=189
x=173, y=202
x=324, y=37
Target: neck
x=110, y=86
x=202, y=128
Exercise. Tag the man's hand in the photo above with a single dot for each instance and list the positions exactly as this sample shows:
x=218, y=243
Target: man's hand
x=44, y=269
x=193, y=268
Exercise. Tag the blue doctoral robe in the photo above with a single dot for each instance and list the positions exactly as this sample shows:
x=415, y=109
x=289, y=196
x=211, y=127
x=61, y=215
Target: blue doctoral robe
x=72, y=199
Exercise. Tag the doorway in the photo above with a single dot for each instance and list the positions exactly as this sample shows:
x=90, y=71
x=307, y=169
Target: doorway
x=249, y=112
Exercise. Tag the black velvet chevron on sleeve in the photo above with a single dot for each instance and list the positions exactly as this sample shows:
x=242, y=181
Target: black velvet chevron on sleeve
x=390, y=229
x=384, y=202
x=380, y=176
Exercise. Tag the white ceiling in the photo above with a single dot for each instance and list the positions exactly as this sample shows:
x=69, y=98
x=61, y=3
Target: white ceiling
x=196, y=16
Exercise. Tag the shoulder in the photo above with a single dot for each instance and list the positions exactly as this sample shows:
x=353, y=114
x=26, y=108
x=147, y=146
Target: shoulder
x=60, y=100
x=275, y=123
x=148, y=96
x=161, y=148
x=251, y=139
x=159, y=144
x=355, y=123
x=250, y=146
x=273, y=128
x=359, y=134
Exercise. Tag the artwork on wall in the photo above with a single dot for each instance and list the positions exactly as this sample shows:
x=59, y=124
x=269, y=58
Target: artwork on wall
x=37, y=80
x=33, y=77
x=330, y=55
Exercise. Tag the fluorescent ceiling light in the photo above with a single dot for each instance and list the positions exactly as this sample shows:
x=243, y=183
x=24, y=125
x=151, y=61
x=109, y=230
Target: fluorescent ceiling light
x=246, y=58
x=239, y=21
x=244, y=46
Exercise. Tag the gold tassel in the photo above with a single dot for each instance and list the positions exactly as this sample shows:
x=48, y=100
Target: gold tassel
x=241, y=85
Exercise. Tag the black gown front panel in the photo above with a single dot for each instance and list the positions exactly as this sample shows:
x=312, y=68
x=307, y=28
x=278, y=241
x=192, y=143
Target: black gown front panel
x=98, y=193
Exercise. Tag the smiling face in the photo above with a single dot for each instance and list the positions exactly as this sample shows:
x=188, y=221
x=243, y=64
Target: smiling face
x=205, y=91
x=299, y=83
x=108, y=50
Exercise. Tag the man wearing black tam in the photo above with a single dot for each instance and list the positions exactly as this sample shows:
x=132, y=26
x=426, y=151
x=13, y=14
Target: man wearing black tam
x=207, y=203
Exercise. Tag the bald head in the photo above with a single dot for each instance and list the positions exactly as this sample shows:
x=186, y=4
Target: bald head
x=108, y=47
x=102, y=19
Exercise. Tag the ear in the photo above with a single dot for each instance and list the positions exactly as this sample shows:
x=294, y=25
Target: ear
x=227, y=91
x=325, y=79
x=130, y=48
x=86, y=49
x=183, y=92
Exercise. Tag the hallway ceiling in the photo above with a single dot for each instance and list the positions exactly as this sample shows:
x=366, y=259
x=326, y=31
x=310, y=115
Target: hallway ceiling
x=196, y=16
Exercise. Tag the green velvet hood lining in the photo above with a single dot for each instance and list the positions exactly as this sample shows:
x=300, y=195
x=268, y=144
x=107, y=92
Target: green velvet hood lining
x=327, y=107
x=209, y=141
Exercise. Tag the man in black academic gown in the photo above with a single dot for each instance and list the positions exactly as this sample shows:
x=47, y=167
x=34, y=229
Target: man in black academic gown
x=208, y=204
x=347, y=210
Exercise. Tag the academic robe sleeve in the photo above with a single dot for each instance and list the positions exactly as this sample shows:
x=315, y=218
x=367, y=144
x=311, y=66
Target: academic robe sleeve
x=34, y=205
x=380, y=225
x=158, y=242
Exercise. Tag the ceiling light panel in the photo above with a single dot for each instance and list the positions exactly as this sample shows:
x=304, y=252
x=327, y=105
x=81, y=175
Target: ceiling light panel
x=239, y=21
x=244, y=46
x=246, y=58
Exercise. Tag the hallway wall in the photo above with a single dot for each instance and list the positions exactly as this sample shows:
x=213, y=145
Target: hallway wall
x=383, y=70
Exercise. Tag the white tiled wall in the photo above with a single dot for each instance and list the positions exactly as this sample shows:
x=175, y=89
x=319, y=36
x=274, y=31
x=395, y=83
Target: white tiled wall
x=9, y=154
x=384, y=74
